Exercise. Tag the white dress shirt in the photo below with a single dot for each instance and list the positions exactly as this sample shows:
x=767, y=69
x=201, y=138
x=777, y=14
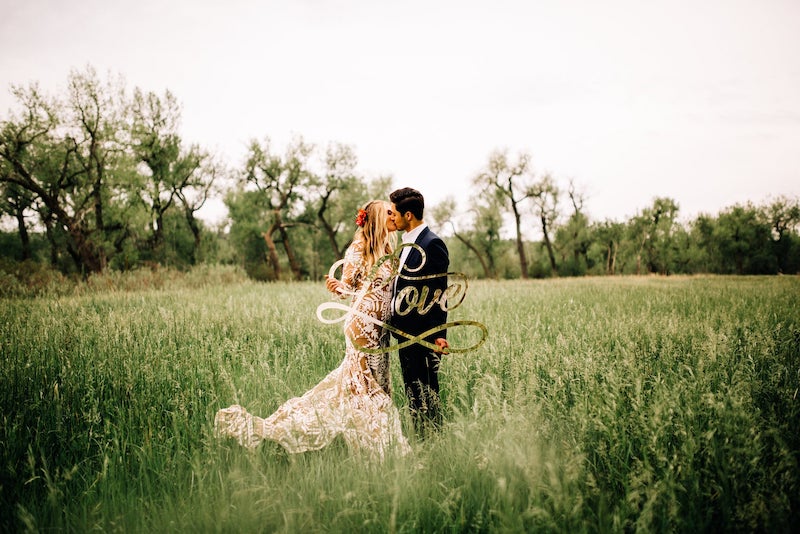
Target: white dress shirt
x=409, y=237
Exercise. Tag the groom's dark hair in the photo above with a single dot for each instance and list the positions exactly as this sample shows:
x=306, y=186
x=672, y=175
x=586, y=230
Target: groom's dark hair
x=408, y=199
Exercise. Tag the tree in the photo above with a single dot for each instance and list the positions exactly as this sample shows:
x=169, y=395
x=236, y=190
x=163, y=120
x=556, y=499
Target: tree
x=280, y=181
x=249, y=215
x=662, y=247
x=743, y=238
x=443, y=214
x=607, y=237
x=68, y=154
x=545, y=200
x=511, y=185
x=783, y=215
x=195, y=192
x=168, y=170
x=651, y=233
x=95, y=113
x=15, y=201
x=339, y=191
x=42, y=157
x=483, y=238
x=573, y=238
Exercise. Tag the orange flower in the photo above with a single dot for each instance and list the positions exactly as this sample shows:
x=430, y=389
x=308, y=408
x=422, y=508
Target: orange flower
x=361, y=218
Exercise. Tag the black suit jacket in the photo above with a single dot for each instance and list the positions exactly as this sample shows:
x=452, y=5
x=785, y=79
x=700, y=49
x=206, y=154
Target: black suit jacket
x=437, y=261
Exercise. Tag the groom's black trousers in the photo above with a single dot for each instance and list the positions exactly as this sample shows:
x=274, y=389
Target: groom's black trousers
x=420, y=368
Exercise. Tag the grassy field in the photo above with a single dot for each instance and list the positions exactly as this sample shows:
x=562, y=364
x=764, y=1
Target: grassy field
x=596, y=405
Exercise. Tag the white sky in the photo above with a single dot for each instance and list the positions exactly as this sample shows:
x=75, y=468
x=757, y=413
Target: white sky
x=698, y=101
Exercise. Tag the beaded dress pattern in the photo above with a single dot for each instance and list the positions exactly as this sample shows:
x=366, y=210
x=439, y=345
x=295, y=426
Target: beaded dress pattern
x=354, y=401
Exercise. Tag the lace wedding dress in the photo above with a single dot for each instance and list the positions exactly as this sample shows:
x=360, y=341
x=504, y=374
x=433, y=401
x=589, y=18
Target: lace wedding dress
x=354, y=400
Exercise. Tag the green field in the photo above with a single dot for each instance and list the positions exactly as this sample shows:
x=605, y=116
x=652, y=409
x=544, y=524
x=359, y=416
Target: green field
x=608, y=404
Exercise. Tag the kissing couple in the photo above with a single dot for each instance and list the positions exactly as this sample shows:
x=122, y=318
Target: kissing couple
x=354, y=401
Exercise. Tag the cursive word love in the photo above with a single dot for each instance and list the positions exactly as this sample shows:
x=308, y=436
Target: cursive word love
x=407, y=299
x=410, y=297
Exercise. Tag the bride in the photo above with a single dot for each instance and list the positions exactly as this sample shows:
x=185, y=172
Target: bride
x=354, y=400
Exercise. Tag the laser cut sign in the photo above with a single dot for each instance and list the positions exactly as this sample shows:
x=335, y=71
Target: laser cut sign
x=407, y=299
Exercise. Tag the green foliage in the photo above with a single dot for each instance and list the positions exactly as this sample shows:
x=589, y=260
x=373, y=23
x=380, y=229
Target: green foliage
x=31, y=279
x=618, y=404
x=744, y=240
x=100, y=172
x=246, y=213
x=11, y=247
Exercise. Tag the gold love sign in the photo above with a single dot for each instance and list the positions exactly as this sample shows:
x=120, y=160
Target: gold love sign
x=410, y=297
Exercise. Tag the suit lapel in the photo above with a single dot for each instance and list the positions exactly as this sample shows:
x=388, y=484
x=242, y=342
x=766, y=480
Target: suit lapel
x=414, y=257
x=421, y=237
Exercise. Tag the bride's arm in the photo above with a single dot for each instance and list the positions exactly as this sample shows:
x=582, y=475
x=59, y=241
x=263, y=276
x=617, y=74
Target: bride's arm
x=347, y=285
x=350, y=268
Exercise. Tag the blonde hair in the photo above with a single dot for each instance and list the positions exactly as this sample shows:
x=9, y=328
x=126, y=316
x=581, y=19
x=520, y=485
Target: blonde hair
x=375, y=235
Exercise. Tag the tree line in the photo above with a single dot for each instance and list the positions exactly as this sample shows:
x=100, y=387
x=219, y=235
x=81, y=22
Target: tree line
x=741, y=239
x=99, y=178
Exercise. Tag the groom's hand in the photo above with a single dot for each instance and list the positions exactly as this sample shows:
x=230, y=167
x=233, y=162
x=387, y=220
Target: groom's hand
x=442, y=344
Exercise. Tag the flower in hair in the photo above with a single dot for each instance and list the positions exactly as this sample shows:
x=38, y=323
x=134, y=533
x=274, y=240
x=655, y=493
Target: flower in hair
x=361, y=218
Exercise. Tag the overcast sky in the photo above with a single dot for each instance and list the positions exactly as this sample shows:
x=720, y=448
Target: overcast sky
x=698, y=101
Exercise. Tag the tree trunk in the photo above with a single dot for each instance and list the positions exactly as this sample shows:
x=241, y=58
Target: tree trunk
x=87, y=258
x=549, y=246
x=118, y=244
x=98, y=207
x=294, y=265
x=195, y=228
x=272, y=251
x=98, y=189
x=523, y=260
x=329, y=231
x=331, y=237
x=639, y=255
x=90, y=260
x=48, y=231
x=614, y=260
x=23, y=234
x=612, y=257
x=158, y=231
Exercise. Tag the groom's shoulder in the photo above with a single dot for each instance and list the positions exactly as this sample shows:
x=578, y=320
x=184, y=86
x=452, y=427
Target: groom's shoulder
x=429, y=236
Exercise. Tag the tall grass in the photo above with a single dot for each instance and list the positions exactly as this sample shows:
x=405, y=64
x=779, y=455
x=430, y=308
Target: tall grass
x=613, y=404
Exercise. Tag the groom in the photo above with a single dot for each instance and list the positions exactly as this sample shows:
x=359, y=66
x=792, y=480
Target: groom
x=420, y=365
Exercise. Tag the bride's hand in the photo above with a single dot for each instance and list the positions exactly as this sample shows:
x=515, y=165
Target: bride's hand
x=332, y=284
